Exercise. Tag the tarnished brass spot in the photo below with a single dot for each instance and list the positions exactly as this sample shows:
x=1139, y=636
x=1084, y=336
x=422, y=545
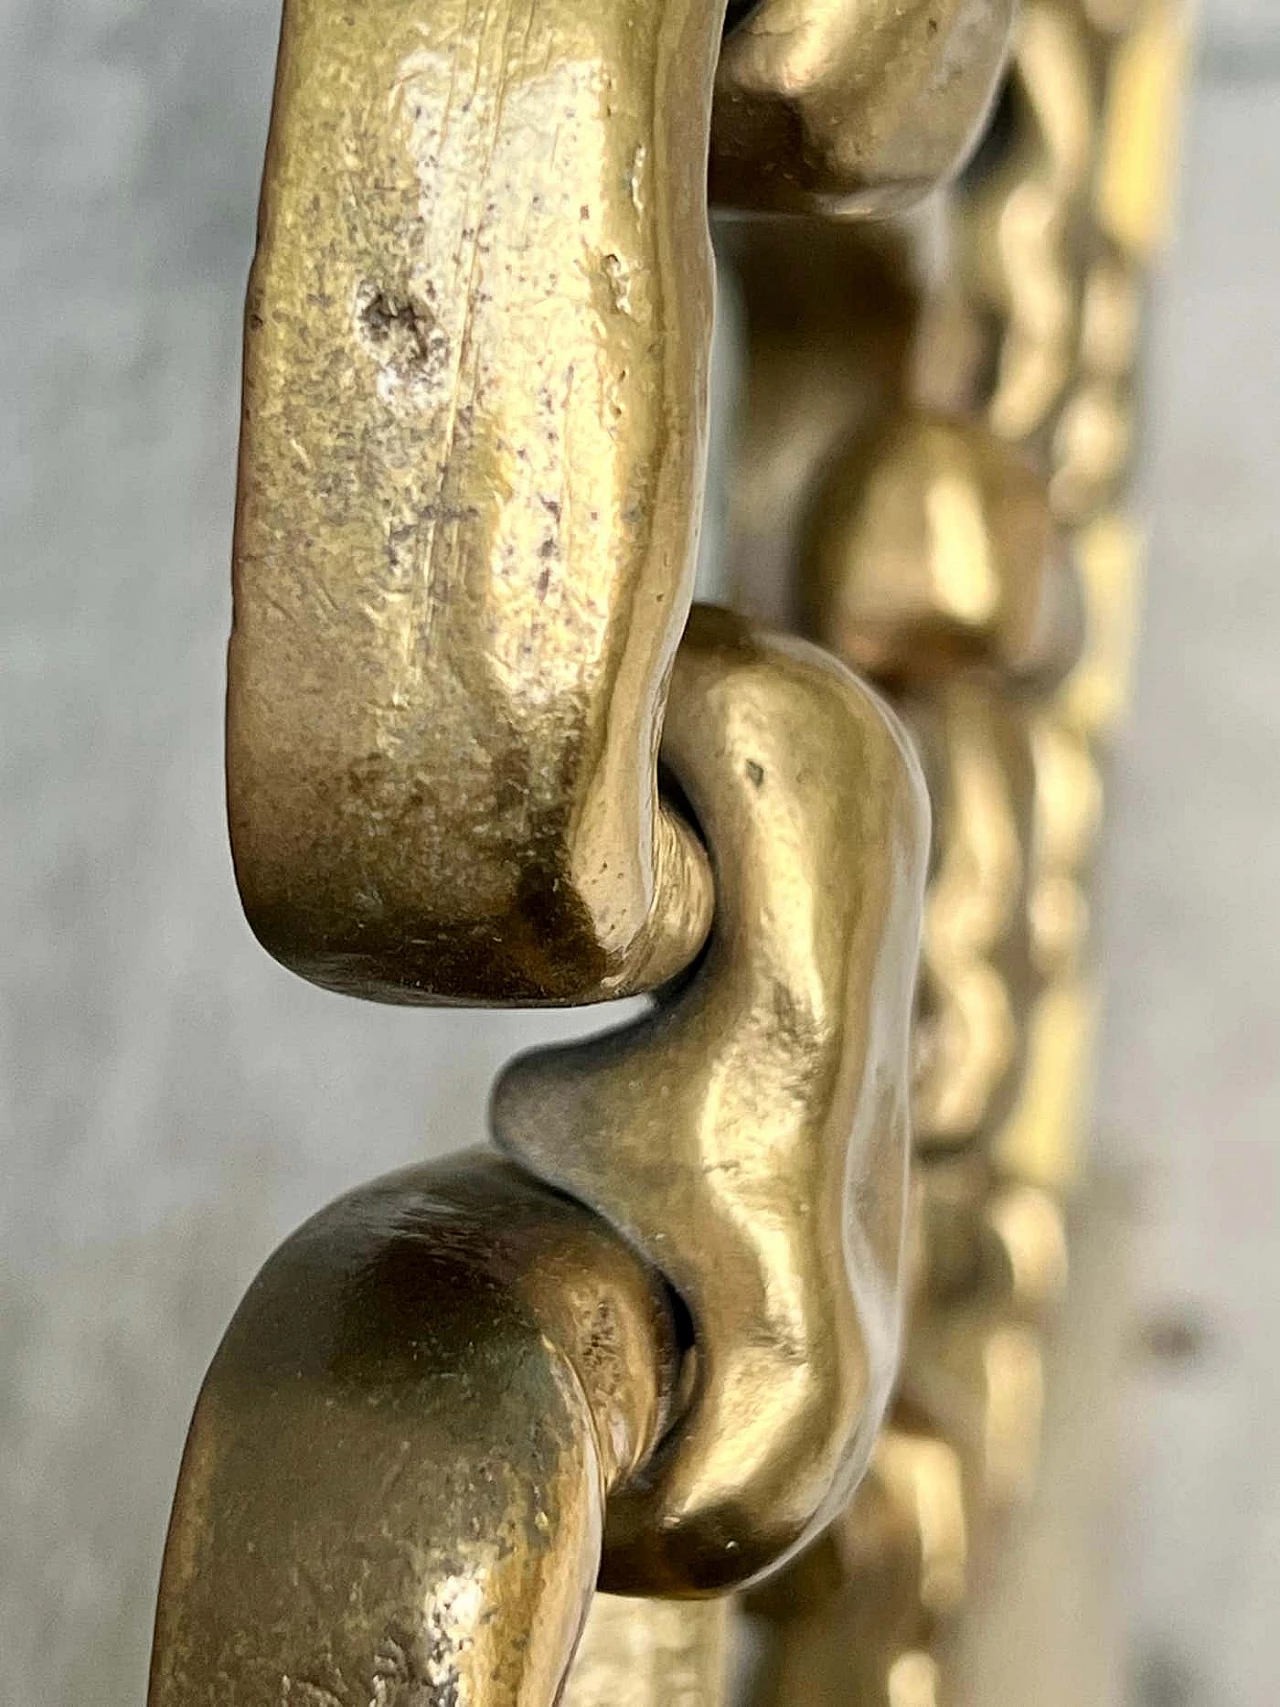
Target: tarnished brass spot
x=750, y=1136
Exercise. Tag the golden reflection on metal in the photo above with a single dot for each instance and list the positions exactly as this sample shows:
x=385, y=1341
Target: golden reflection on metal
x=1020, y=222
x=475, y=368
x=1024, y=1246
x=977, y=960
x=475, y=371
x=921, y=1475
x=394, y=1485
x=1034, y=334
x=931, y=552
x=1109, y=550
x=851, y=106
x=472, y=459
x=750, y=1135
x=1044, y=1139
x=836, y=1626
x=1139, y=148
x=975, y=1373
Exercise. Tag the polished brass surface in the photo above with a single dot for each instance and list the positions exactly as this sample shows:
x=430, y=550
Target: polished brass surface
x=849, y=1623
x=651, y=1349
x=931, y=551
x=750, y=1136
x=1030, y=338
x=431, y=1419
x=853, y=106
x=475, y=370
x=394, y=1484
x=1022, y=221
x=978, y=967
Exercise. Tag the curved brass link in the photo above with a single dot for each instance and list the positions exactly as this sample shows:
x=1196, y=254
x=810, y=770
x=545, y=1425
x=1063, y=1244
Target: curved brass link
x=475, y=371
x=1033, y=334
x=751, y=1135
x=932, y=564
x=475, y=368
x=932, y=551
x=653, y=1348
x=393, y=1489
x=432, y=1387
x=856, y=106
x=1001, y=1236
x=978, y=968
x=1025, y=220
x=901, y=1545
x=653, y=1653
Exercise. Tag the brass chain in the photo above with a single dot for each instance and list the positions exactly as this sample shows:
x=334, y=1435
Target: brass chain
x=1030, y=342
x=654, y=1346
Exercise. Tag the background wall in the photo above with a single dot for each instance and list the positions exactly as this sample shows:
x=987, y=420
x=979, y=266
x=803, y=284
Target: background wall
x=171, y=1103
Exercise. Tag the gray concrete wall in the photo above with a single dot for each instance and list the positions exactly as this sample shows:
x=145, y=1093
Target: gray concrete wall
x=171, y=1103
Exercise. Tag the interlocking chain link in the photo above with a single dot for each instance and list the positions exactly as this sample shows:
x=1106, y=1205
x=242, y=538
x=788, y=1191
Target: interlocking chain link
x=1028, y=341
x=654, y=1348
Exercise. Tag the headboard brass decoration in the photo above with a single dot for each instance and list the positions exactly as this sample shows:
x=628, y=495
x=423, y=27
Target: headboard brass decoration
x=480, y=750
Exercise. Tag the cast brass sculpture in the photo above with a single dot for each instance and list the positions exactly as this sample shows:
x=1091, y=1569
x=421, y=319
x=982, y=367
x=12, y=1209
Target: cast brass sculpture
x=652, y=1348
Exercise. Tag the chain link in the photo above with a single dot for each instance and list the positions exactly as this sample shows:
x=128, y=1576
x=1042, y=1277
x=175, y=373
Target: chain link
x=654, y=1347
x=1013, y=676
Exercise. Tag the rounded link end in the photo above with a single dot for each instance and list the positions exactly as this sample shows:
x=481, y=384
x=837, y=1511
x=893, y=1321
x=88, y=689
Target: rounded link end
x=471, y=455
x=749, y=1135
x=684, y=902
x=836, y=110
x=394, y=1481
x=931, y=550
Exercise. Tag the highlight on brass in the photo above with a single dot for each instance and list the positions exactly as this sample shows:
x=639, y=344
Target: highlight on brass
x=468, y=500
x=750, y=1135
x=721, y=1379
